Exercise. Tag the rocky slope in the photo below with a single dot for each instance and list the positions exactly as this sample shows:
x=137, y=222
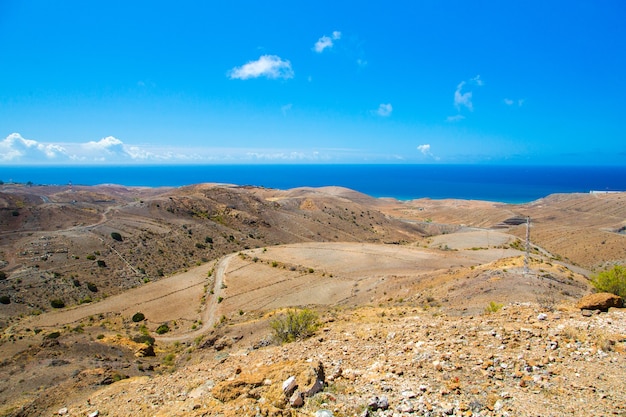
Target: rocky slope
x=384, y=361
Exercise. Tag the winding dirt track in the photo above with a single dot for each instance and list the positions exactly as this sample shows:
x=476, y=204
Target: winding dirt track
x=333, y=273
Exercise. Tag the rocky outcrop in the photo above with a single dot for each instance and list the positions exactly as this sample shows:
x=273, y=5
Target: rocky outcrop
x=599, y=301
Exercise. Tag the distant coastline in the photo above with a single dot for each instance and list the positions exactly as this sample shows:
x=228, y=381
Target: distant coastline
x=506, y=184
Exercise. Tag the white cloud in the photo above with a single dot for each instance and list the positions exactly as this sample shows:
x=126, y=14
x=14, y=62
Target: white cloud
x=425, y=150
x=361, y=62
x=384, y=110
x=269, y=66
x=476, y=80
x=323, y=43
x=455, y=118
x=14, y=148
x=326, y=42
x=285, y=109
x=510, y=102
x=463, y=99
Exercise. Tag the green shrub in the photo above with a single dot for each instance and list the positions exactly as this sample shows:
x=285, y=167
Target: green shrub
x=162, y=329
x=294, y=325
x=101, y=263
x=148, y=340
x=92, y=287
x=612, y=280
x=3, y=275
x=91, y=257
x=137, y=317
x=53, y=335
x=116, y=236
x=5, y=299
x=493, y=307
x=57, y=303
x=168, y=360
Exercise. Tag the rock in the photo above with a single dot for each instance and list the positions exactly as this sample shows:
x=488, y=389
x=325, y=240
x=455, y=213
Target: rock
x=587, y=313
x=144, y=351
x=383, y=403
x=318, y=385
x=600, y=301
x=296, y=400
x=63, y=411
x=323, y=413
x=94, y=414
x=405, y=407
x=542, y=316
x=289, y=386
x=222, y=343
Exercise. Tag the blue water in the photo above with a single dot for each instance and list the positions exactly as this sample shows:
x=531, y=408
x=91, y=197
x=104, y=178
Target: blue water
x=509, y=184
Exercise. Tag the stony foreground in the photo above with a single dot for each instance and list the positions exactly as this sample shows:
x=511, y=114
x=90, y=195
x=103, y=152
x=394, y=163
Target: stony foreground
x=395, y=361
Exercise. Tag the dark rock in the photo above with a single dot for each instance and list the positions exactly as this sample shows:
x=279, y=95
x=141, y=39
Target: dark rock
x=144, y=351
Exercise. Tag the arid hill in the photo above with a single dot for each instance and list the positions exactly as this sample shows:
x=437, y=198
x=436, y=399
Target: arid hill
x=209, y=265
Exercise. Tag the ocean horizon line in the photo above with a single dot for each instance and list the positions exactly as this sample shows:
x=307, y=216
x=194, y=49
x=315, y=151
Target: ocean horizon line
x=498, y=183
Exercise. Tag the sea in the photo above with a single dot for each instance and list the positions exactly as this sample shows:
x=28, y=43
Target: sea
x=506, y=184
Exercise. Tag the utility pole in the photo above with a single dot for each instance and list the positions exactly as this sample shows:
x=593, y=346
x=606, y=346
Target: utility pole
x=527, y=254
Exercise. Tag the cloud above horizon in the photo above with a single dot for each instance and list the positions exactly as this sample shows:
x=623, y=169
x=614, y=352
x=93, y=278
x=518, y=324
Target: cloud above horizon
x=268, y=66
x=326, y=42
x=463, y=100
x=384, y=110
x=15, y=150
x=425, y=150
x=14, y=147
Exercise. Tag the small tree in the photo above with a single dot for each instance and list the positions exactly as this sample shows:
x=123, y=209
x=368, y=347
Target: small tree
x=116, y=236
x=612, y=280
x=3, y=275
x=137, y=317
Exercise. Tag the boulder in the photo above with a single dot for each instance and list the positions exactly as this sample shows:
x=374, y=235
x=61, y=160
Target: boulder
x=296, y=400
x=289, y=386
x=143, y=351
x=600, y=301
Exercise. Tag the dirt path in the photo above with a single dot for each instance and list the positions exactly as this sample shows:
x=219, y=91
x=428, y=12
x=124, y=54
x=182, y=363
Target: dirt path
x=210, y=312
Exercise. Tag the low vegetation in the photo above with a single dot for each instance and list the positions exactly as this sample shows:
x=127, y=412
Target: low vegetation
x=294, y=325
x=493, y=307
x=57, y=303
x=162, y=329
x=137, y=317
x=612, y=280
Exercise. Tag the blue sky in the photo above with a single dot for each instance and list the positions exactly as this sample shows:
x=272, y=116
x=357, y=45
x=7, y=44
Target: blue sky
x=486, y=82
